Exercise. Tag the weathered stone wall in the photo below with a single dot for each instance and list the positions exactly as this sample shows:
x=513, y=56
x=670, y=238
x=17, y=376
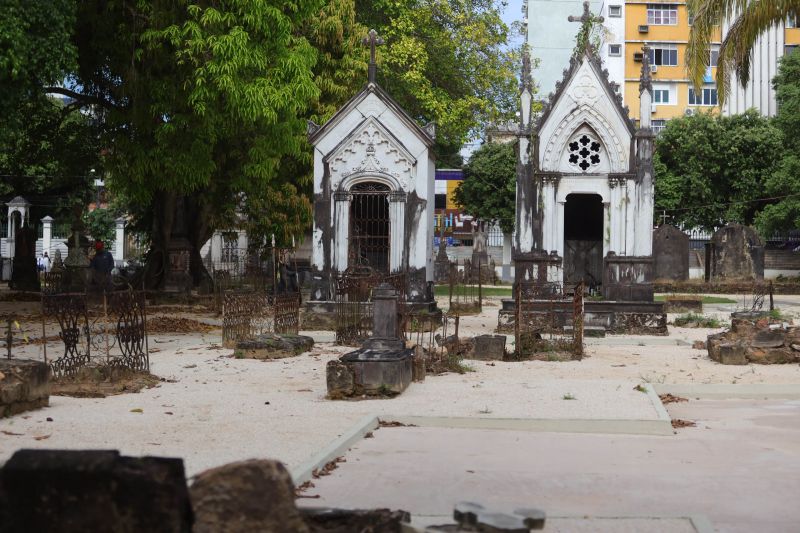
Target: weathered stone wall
x=628, y=278
x=24, y=385
x=737, y=253
x=670, y=253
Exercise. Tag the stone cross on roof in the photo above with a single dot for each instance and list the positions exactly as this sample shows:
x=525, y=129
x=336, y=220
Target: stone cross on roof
x=372, y=40
x=586, y=17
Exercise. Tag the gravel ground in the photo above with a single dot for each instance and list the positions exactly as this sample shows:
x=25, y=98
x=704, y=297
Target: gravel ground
x=214, y=409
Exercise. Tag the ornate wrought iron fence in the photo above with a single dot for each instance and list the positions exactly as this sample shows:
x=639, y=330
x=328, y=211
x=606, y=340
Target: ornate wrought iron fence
x=246, y=315
x=435, y=338
x=105, y=329
x=754, y=301
x=353, y=297
x=465, y=287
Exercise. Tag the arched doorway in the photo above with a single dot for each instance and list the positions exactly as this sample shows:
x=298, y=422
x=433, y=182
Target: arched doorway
x=369, y=226
x=583, y=239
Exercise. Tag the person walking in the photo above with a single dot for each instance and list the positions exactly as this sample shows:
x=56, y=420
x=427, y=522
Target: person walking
x=101, y=266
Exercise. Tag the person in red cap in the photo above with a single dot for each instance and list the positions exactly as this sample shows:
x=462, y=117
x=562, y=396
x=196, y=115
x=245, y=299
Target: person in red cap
x=101, y=265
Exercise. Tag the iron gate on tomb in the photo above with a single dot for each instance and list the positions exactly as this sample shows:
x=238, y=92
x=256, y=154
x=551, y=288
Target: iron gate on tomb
x=369, y=226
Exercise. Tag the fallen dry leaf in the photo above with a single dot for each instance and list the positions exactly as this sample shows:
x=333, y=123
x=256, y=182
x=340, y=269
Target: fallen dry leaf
x=137, y=410
x=4, y=432
x=42, y=437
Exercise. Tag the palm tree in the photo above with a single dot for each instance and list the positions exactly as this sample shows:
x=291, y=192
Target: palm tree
x=748, y=20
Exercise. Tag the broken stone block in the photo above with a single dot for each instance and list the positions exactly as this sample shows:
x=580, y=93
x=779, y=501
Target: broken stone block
x=340, y=379
x=767, y=339
x=24, y=385
x=418, y=369
x=488, y=347
x=342, y=520
x=273, y=346
x=379, y=372
x=246, y=496
x=80, y=491
x=732, y=354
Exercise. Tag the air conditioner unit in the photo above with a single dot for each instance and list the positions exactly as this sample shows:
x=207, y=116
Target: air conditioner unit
x=690, y=112
x=653, y=69
x=644, y=28
x=638, y=57
x=653, y=108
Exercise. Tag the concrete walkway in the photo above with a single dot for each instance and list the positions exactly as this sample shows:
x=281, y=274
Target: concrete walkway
x=740, y=467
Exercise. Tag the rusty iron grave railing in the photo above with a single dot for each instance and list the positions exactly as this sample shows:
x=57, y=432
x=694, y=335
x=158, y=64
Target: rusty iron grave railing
x=104, y=329
x=434, y=337
x=548, y=322
x=465, y=287
x=246, y=315
x=353, y=301
x=761, y=292
x=273, y=271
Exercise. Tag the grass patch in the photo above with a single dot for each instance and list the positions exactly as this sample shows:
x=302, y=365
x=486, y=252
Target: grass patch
x=568, y=396
x=704, y=298
x=776, y=314
x=693, y=320
x=469, y=290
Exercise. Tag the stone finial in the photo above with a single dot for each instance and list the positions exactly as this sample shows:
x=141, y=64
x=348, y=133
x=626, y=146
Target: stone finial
x=646, y=79
x=526, y=81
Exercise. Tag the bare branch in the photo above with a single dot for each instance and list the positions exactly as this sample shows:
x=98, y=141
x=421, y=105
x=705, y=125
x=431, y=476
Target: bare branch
x=85, y=99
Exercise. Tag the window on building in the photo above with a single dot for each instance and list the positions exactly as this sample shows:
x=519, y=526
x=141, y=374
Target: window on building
x=791, y=21
x=660, y=96
x=708, y=96
x=662, y=14
x=440, y=201
x=664, y=54
x=615, y=50
x=615, y=11
x=658, y=125
x=230, y=250
x=713, y=55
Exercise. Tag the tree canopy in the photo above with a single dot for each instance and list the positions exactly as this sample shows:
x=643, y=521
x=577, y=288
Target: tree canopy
x=488, y=190
x=784, y=184
x=709, y=169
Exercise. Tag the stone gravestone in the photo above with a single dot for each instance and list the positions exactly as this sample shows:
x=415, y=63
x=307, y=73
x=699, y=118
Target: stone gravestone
x=24, y=274
x=671, y=253
x=81, y=491
x=737, y=252
x=441, y=265
x=383, y=366
x=480, y=255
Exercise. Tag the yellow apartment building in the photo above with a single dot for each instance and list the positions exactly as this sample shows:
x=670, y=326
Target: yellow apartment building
x=664, y=26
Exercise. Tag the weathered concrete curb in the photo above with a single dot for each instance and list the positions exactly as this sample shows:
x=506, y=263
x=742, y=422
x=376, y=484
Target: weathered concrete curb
x=335, y=449
x=634, y=427
x=657, y=405
x=726, y=391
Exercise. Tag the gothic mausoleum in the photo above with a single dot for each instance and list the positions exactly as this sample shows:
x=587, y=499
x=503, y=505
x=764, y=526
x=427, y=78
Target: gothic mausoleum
x=585, y=187
x=373, y=192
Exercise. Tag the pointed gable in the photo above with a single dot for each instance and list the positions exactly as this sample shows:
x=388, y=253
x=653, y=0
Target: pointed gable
x=585, y=108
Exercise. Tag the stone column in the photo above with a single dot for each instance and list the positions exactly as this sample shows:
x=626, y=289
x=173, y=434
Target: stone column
x=559, y=234
x=341, y=229
x=47, y=235
x=119, y=240
x=606, y=229
x=397, y=229
x=11, y=232
x=630, y=219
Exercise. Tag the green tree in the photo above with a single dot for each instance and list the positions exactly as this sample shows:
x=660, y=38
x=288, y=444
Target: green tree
x=747, y=21
x=100, y=225
x=47, y=153
x=784, y=213
x=444, y=61
x=709, y=169
x=488, y=190
x=197, y=104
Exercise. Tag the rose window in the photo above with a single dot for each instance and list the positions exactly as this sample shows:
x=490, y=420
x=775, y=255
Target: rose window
x=584, y=152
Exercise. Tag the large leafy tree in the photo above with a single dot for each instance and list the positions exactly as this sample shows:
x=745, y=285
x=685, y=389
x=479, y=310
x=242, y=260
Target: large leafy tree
x=198, y=103
x=711, y=170
x=444, y=61
x=489, y=186
x=784, y=184
x=747, y=20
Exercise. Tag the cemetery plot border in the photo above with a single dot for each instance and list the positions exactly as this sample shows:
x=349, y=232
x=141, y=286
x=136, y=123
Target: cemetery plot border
x=108, y=329
x=246, y=315
x=353, y=297
x=549, y=322
x=435, y=340
x=465, y=283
